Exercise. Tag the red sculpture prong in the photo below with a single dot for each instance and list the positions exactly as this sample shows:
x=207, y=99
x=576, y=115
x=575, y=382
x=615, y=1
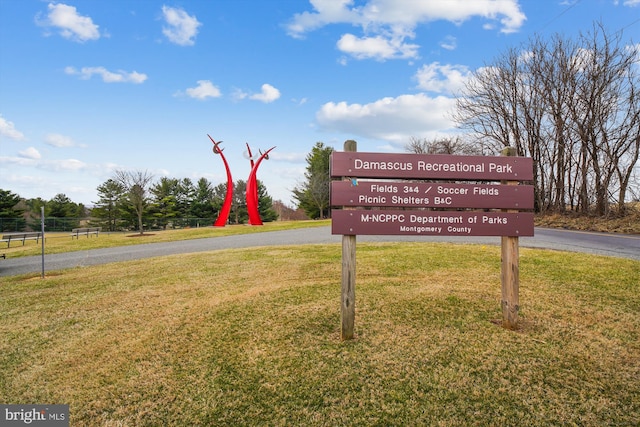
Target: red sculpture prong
x=216, y=148
x=223, y=215
x=252, y=189
x=266, y=155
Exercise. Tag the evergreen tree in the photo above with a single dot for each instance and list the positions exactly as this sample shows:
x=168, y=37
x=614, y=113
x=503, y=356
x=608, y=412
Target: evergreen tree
x=184, y=197
x=313, y=195
x=109, y=207
x=219, y=193
x=61, y=214
x=61, y=206
x=201, y=205
x=165, y=206
x=239, y=213
x=11, y=216
x=265, y=204
x=33, y=211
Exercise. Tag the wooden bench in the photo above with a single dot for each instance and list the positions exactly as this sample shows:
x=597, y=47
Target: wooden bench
x=86, y=231
x=11, y=237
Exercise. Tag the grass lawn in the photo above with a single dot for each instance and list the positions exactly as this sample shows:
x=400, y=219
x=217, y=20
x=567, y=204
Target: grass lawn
x=252, y=337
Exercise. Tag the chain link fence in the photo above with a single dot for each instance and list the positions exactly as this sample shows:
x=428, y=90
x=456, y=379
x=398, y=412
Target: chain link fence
x=67, y=224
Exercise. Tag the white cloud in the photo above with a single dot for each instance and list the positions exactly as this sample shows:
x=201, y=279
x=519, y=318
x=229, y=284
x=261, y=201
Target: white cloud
x=107, y=76
x=386, y=24
x=438, y=78
x=326, y=12
x=239, y=94
x=28, y=158
x=378, y=47
x=57, y=140
x=181, y=28
x=391, y=119
x=9, y=130
x=20, y=161
x=46, y=177
x=30, y=153
x=69, y=23
x=29, y=181
x=68, y=165
x=268, y=94
x=287, y=157
x=449, y=43
x=204, y=90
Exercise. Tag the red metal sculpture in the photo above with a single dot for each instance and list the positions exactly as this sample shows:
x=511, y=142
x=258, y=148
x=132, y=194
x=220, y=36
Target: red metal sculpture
x=226, y=206
x=252, y=187
x=254, y=194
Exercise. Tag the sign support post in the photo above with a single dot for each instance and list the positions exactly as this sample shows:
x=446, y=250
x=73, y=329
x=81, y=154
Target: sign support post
x=348, y=294
x=510, y=269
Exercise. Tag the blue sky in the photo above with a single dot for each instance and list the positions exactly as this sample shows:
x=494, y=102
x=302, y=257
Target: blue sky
x=88, y=87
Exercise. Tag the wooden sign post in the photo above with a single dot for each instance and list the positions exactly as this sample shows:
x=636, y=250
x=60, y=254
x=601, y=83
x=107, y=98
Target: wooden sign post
x=348, y=298
x=510, y=269
x=421, y=194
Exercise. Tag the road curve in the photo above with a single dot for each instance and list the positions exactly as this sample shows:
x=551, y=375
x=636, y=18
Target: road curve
x=615, y=245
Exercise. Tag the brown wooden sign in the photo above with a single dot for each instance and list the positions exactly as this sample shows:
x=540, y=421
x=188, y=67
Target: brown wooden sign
x=421, y=195
x=430, y=194
x=431, y=223
x=431, y=166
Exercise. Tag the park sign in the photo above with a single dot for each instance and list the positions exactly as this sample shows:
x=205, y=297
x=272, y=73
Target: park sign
x=431, y=223
x=367, y=193
x=431, y=195
x=422, y=183
x=431, y=166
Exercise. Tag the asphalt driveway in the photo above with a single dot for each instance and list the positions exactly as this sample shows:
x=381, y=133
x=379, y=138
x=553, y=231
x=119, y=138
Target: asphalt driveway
x=616, y=245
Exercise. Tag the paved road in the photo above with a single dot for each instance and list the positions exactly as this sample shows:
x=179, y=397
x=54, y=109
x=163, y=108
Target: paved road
x=616, y=245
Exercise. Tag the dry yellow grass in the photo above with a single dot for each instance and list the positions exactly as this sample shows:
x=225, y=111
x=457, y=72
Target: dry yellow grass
x=251, y=337
x=628, y=223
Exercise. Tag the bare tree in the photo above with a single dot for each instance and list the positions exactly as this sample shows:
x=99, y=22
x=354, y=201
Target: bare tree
x=553, y=142
x=501, y=106
x=606, y=113
x=443, y=145
x=573, y=107
x=136, y=185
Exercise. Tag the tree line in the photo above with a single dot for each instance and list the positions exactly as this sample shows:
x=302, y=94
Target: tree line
x=18, y=214
x=571, y=105
x=169, y=202
x=133, y=201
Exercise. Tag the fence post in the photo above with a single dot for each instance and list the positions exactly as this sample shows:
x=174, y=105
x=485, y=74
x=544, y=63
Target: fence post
x=43, y=238
x=510, y=269
x=348, y=296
